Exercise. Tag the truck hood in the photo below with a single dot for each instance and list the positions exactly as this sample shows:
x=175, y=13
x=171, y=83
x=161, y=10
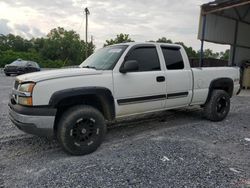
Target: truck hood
x=58, y=73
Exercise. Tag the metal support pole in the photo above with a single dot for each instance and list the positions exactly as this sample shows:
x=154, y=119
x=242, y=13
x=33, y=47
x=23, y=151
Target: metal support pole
x=235, y=43
x=204, y=20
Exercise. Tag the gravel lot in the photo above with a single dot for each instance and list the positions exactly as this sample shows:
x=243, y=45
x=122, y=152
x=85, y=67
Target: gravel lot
x=170, y=149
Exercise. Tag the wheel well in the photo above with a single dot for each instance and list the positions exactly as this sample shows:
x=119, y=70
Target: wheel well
x=225, y=84
x=98, y=102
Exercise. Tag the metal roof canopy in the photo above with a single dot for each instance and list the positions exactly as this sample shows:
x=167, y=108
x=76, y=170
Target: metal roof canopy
x=227, y=22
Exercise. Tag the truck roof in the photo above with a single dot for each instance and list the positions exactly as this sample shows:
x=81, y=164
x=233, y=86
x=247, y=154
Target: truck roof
x=155, y=43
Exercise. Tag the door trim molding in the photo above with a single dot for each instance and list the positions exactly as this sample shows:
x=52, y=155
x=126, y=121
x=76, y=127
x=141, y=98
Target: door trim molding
x=141, y=99
x=151, y=98
x=177, y=95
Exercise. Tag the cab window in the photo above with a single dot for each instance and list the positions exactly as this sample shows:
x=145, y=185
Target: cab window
x=173, y=58
x=147, y=58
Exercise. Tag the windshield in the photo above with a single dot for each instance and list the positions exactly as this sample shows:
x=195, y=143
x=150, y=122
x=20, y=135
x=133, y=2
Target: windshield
x=19, y=63
x=105, y=58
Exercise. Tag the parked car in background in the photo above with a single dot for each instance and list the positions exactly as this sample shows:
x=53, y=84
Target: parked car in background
x=20, y=66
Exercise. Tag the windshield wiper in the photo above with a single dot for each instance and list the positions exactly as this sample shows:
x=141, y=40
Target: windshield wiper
x=89, y=67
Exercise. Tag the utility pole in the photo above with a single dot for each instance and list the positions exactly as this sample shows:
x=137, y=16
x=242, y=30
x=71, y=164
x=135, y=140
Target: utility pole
x=86, y=34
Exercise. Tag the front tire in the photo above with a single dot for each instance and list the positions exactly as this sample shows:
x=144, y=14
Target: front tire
x=81, y=130
x=218, y=106
x=6, y=74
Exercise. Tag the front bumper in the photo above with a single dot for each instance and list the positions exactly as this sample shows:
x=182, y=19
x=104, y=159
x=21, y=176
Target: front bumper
x=237, y=89
x=18, y=72
x=33, y=120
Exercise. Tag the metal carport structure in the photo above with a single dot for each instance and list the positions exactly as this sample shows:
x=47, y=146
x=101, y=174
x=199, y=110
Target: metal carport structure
x=227, y=22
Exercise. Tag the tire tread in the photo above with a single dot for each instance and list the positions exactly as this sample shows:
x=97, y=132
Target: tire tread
x=65, y=120
x=209, y=112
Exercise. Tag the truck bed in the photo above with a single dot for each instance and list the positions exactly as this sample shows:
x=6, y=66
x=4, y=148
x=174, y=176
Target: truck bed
x=208, y=62
x=202, y=78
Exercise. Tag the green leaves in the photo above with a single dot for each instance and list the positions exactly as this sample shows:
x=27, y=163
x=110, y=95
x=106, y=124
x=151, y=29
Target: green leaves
x=121, y=38
x=59, y=48
x=191, y=53
x=65, y=48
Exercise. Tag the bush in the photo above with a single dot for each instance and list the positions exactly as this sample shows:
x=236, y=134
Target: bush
x=9, y=56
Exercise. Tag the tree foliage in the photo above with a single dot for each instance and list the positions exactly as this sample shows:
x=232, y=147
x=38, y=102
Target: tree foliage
x=16, y=43
x=121, y=38
x=164, y=40
x=191, y=53
x=59, y=48
x=225, y=55
x=63, y=48
x=65, y=45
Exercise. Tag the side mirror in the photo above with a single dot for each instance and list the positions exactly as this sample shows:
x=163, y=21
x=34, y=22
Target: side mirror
x=129, y=66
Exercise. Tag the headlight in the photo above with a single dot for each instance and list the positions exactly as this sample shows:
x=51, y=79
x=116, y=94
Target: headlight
x=25, y=94
x=28, y=87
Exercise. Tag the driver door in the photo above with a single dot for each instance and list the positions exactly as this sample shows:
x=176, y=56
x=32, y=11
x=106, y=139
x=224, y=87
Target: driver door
x=143, y=90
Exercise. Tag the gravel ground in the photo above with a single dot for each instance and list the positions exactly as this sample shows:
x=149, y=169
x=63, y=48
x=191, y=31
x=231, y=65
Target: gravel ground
x=170, y=149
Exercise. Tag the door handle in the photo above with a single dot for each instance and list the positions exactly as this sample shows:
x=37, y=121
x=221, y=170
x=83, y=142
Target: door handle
x=160, y=79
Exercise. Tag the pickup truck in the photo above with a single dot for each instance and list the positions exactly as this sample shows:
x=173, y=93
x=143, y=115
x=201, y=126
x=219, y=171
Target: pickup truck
x=74, y=105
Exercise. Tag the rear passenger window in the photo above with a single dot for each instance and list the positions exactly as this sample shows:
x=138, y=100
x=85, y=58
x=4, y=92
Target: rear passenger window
x=33, y=64
x=173, y=58
x=147, y=58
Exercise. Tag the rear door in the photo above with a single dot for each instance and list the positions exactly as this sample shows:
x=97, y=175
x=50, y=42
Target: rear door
x=143, y=90
x=178, y=77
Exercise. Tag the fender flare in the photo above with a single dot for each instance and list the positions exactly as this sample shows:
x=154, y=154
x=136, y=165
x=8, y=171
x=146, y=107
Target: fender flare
x=226, y=84
x=103, y=94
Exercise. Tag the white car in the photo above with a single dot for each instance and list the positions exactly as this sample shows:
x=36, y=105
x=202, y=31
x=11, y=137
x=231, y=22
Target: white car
x=116, y=82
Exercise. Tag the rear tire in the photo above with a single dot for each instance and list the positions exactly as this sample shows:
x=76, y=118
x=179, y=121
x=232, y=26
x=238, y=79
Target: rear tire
x=7, y=74
x=81, y=130
x=218, y=106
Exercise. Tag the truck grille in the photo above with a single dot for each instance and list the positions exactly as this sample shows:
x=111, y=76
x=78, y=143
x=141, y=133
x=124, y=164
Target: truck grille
x=16, y=84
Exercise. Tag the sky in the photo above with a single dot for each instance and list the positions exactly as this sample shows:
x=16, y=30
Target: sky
x=143, y=20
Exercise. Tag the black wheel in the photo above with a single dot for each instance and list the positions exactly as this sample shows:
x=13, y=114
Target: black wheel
x=81, y=130
x=217, y=108
x=7, y=74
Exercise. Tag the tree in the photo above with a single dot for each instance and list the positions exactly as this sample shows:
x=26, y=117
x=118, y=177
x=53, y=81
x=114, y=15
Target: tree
x=121, y=38
x=38, y=43
x=208, y=53
x=64, y=45
x=164, y=40
x=3, y=43
x=191, y=53
x=225, y=55
x=16, y=43
x=59, y=48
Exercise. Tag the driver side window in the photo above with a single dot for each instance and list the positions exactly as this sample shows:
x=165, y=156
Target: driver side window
x=147, y=58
